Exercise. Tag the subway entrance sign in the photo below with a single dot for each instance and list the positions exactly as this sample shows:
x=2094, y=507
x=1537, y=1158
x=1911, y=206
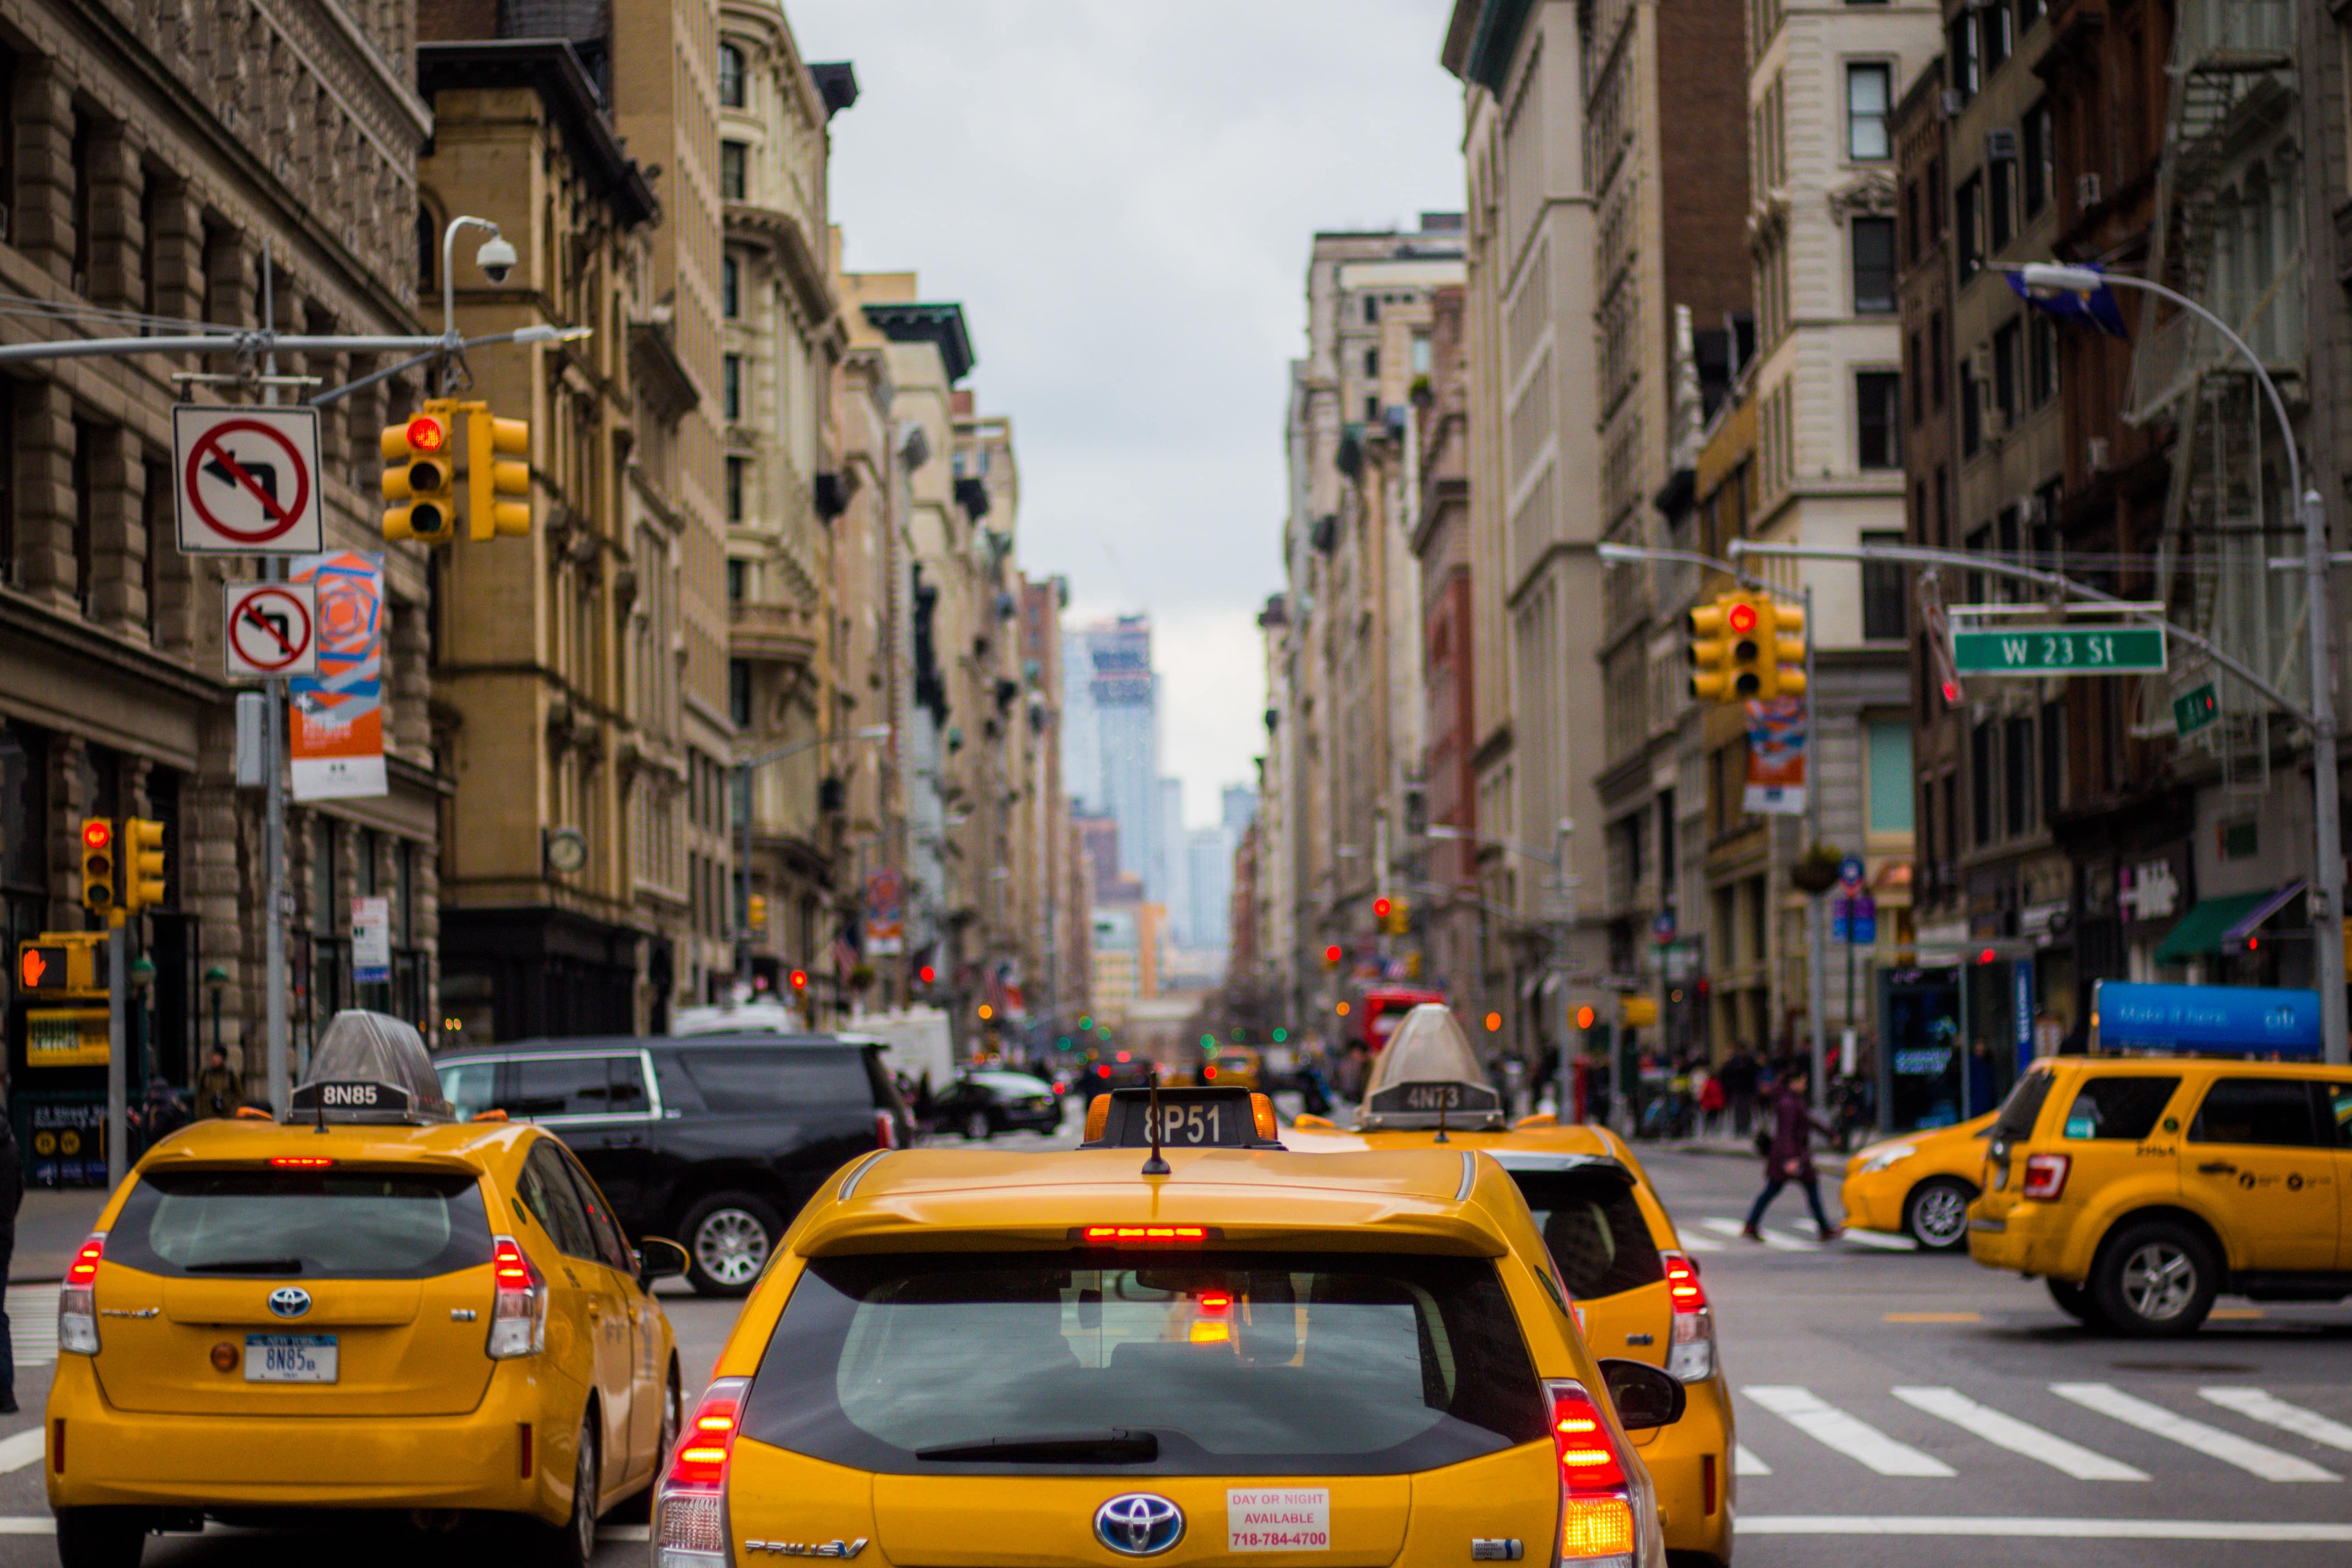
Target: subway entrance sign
x=2059, y=651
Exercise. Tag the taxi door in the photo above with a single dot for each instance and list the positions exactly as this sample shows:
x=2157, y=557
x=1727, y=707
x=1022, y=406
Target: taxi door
x=599, y=1357
x=2335, y=1097
x=638, y=1333
x=2254, y=1155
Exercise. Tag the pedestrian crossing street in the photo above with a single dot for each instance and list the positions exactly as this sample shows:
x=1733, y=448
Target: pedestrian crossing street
x=1780, y=1419
x=1783, y=1241
x=33, y=1323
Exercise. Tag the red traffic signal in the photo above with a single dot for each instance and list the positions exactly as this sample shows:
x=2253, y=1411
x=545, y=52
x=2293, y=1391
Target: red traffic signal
x=426, y=433
x=1332, y=954
x=927, y=974
x=1380, y=907
x=800, y=980
x=97, y=833
x=1742, y=618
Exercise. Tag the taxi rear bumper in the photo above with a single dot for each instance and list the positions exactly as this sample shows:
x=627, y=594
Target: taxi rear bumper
x=2027, y=1239
x=1677, y=1459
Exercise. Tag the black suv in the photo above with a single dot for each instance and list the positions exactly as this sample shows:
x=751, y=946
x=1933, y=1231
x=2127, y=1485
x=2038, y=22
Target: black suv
x=712, y=1140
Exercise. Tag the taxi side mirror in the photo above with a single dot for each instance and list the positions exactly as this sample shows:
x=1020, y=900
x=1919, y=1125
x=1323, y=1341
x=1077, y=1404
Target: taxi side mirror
x=1645, y=1396
x=658, y=1258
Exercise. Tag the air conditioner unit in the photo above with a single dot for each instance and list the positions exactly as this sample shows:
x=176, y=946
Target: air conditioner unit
x=2000, y=144
x=2096, y=452
x=2087, y=190
x=1955, y=101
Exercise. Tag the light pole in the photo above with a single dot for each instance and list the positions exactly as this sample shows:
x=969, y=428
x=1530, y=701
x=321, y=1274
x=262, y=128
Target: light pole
x=2328, y=873
x=743, y=769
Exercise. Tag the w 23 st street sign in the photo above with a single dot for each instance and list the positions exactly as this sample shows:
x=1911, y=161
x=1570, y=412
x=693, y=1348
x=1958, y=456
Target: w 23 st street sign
x=2059, y=651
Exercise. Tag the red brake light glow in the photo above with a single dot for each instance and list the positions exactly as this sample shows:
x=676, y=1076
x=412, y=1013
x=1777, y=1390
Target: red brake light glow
x=83, y=1270
x=1215, y=1303
x=710, y=1437
x=1596, y=1508
x=300, y=1162
x=510, y=1268
x=2045, y=1176
x=1209, y=1073
x=1683, y=1290
x=1146, y=1236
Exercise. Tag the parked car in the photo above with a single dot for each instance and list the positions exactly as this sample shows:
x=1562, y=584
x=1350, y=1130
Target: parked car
x=981, y=1104
x=713, y=1141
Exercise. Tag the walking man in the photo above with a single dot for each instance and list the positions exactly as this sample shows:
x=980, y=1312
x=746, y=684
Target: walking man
x=1789, y=1157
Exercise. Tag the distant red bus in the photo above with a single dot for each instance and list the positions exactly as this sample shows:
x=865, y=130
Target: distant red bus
x=1380, y=1009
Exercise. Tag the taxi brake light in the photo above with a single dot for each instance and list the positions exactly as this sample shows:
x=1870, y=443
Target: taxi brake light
x=886, y=1130
x=2045, y=1176
x=83, y=1270
x=690, y=1515
x=301, y=1162
x=1209, y=1073
x=1691, y=1355
x=1144, y=1236
x=1596, y=1504
x=77, y=1301
x=1216, y=1303
x=518, y=1303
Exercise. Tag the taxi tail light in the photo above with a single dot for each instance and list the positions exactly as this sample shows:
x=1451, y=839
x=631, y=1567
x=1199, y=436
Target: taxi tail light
x=76, y=1301
x=690, y=1515
x=1692, y=1357
x=518, y=1303
x=1596, y=1496
x=886, y=1130
x=2045, y=1176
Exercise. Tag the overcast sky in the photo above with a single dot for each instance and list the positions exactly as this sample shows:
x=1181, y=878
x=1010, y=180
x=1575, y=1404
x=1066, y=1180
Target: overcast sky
x=1121, y=195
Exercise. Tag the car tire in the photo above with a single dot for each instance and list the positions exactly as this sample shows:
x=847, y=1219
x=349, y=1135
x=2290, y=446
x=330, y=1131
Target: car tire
x=100, y=1538
x=638, y=1509
x=2077, y=1302
x=572, y=1544
x=729, y=1236
x=2155, y=1280
x=1935, y=1215
x=976, y=1129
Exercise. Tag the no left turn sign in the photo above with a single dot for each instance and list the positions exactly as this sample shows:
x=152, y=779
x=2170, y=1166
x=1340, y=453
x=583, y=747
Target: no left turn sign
x=272, y=629
x=247, y=480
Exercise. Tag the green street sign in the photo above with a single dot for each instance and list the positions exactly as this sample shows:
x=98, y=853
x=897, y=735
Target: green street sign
x=2059, y=651
x=2192, y=711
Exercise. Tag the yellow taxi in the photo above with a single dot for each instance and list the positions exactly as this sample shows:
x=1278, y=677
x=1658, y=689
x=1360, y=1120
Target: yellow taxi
x=1179, y=1342
x=1635, y=1290
x=366, y=1306
x=2141, y=1188
x=1235, y=1067
x=1919, y=1185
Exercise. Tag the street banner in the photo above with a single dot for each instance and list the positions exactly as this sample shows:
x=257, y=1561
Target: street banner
x=885, y=927
x=1776, y=757
x=371, y=941
x=336, y=728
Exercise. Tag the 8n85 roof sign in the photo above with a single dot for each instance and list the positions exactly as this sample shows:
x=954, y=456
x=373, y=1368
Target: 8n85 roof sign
x=2059, y=651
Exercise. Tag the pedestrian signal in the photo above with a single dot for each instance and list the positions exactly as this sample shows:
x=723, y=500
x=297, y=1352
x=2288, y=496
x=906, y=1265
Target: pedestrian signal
x=142, y=864
x=419, y=474
x=489, y=438
x=98, y=865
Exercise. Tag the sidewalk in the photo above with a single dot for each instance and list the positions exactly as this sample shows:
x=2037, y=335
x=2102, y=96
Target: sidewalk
x=50, y=1227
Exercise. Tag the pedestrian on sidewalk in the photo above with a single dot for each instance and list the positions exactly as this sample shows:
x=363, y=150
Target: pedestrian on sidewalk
x=1738, y=1076
x=217, y=1091
x=1790, y=1156
x=1710, y=1105
x=12, y=1196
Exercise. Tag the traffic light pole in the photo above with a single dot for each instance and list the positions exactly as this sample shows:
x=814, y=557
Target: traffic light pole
x=118, y=1095
x=1816, y=932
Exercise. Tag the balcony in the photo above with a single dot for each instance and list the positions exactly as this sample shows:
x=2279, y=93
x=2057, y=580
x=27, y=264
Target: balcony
x=771, y=634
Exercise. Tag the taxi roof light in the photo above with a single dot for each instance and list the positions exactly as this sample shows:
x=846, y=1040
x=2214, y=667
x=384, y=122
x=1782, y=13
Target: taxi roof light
x=1097, y=1113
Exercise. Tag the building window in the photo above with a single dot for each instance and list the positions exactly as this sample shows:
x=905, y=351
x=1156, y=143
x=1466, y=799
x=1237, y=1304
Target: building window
x=1872, y=243
x=1882, y=596
x=2037, y=147
x=1372, y=308
x=737, y=479
x=734, y=171
x=2017, y=776
x=1890, y=774
x=1936, y=361
x=739, y=581
x=2001, y=205
x=2042, y=358
x=1967, y=221
x=1878, y=418
x=731, y=76
x=2005, y=345
x=739, y=692
x=1960, y=58
x=1972, y=415
x=731, y=287
x=1982, y=743
x=731, y=386
x=1869, y=94
x=1372, y=409
x=2054, y=758
x=1994, y=20
x=1420, y=353
x=1372, y=364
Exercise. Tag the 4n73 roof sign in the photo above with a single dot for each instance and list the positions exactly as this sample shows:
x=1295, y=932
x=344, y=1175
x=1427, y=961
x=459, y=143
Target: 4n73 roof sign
x=2059, y=651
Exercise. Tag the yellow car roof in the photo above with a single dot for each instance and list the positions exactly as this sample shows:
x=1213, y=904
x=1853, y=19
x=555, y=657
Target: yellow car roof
x=469, y=1144
x=946, y=1199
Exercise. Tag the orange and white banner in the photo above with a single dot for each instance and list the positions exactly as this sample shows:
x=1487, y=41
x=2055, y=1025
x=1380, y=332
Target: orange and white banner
x=336, y=718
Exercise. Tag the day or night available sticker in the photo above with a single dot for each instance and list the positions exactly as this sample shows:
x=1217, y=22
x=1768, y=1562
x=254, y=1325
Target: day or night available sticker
x=1278, y=1518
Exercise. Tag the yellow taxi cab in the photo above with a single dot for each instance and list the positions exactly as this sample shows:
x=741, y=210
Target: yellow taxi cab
x=1234, y=1067
x=1635, y=1290
x=368, y=1305
x=2141, y=1188
x=1178, y=1342
x=1919, y=1185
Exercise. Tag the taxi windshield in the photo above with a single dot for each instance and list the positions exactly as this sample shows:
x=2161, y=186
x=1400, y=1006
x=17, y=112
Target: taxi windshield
x=1207, y=1364
x=296, y=1224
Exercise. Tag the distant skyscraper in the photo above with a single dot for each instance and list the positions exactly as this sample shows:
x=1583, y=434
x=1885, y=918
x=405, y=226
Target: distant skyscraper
x=1240, y=808
x=1081, y=741
x=1172, y=884
x=1209, y=885
x=1114, y=767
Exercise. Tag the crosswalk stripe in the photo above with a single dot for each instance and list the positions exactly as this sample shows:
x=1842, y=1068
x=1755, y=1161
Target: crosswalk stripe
x=1849, y=1435
x=33, y=1323
x=2018, y=1437
x=2259, y=1406
x=1700, y=1244
x=1880, y=1240
x=22, y=1449
x=1745, y=1463
x=2228, y=1447
x=1786, y=1243
x=2041, y=1529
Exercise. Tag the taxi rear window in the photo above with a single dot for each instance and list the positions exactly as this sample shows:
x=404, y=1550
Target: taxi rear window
x=1203, y=1363
x=1594, y=1230
x=307, y=1225
x=2023, y=1106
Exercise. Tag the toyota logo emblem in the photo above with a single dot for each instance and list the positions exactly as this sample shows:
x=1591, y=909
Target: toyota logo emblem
x=1138, y=1525
x=289, y=1300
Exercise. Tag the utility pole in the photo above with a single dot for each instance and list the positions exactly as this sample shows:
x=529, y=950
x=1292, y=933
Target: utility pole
x=1816, y=931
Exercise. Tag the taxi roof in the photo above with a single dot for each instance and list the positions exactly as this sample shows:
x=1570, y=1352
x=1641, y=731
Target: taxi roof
x=948, y=1199
x=453, y=1144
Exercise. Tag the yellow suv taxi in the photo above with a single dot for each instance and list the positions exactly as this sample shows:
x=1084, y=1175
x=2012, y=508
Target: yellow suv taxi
x=2141, y=1189
x=1636, y=1293
x=367, y=1306
x=1919, y=1185
x=1210, y=1349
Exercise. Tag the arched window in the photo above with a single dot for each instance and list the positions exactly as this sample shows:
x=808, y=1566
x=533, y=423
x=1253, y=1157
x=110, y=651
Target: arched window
x=731, y=76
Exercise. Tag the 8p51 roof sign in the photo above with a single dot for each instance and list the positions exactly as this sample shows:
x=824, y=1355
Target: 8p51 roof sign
x=247, y=480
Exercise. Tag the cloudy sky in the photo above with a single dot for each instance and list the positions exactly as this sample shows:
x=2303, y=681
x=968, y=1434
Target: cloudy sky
x=1121, y=194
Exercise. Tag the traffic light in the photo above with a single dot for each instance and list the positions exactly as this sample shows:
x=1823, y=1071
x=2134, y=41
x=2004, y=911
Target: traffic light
x=1747, y=647
x=420, y=474
x=1331, y=956
x=927, y=974
x=489, y=438
x=757, y=919
x=798, y=980
x=1788, y=644
x=98, y=865
x=142, y=864
x=1393, y=915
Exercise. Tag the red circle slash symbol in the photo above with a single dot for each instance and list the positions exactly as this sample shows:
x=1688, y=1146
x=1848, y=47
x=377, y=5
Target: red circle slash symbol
x=256, y=477
x=251, y=613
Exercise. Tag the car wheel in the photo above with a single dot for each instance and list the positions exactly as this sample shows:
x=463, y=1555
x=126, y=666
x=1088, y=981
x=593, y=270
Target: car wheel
x=1935, y=1215
x=2155, y=1280
x=729, y=1237
x=572, y=1544
x=640, y=1509
x=975, y=1127
x=2077, y=1302
x=100, y=1538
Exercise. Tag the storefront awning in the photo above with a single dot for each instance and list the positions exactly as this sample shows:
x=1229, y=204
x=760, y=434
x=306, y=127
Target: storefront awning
x=2202, y=930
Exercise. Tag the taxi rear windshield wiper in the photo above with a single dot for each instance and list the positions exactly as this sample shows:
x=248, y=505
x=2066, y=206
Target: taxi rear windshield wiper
x=249, y=1266
x=1115, y=1446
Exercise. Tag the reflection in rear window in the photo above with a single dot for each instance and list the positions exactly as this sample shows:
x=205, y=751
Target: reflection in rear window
x=2117, y=1107
x=1254, y=1363
x=1595, y=1231
x=2023, y=1105
x=288, y=1223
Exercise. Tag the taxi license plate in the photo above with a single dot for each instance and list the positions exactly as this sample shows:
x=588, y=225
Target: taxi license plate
x=290, y=1358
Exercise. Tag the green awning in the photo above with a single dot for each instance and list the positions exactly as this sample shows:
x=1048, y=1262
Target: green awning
x=2202, y=929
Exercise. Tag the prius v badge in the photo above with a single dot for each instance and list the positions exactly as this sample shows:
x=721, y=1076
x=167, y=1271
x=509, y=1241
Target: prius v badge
x=834, y=1548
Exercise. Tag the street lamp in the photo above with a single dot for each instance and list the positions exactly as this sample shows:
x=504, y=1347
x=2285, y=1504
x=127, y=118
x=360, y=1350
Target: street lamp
x=743, y=769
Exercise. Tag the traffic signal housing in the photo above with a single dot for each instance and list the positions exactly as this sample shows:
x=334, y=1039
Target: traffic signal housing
x=1747, y=647
x=1394, y=916
x=488, y=439
x=98, y=865
x=1331, y=956
x=420, y=476
x=1787, y=646
x=758, y=917
x=142, y=864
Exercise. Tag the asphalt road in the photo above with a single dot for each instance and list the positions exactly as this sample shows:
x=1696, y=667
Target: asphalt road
x=1896, y=1411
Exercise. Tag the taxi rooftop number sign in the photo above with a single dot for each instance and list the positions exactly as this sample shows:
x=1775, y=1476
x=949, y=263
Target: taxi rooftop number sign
x=2059, y=651
x=1187, y=1118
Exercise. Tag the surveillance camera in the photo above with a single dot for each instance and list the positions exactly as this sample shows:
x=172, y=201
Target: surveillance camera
x=496, y=258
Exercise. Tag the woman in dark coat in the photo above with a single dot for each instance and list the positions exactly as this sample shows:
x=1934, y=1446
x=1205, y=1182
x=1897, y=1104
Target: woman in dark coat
x=1789, y=1157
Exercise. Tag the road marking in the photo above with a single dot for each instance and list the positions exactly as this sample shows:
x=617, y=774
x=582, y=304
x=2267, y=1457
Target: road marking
x=1786, y=1243
x=33, y=1323
x=1935, y=1317
x=624, y=1533
x=1700, y=1244
x=1745, y=1463
x=30, y=1524
x=2091, y=1529
x=2233, y=1314
x=2228, y=1447
x=1879, y=1239
x=2018, y=1437
x=1849, y=1435
x=22, y=1449
x=2259, y=1406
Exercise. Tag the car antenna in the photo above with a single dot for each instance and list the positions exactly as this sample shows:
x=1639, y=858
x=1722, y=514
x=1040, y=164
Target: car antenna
x=322, y=1113
x=1442, y=1096
x=1155, y=1166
